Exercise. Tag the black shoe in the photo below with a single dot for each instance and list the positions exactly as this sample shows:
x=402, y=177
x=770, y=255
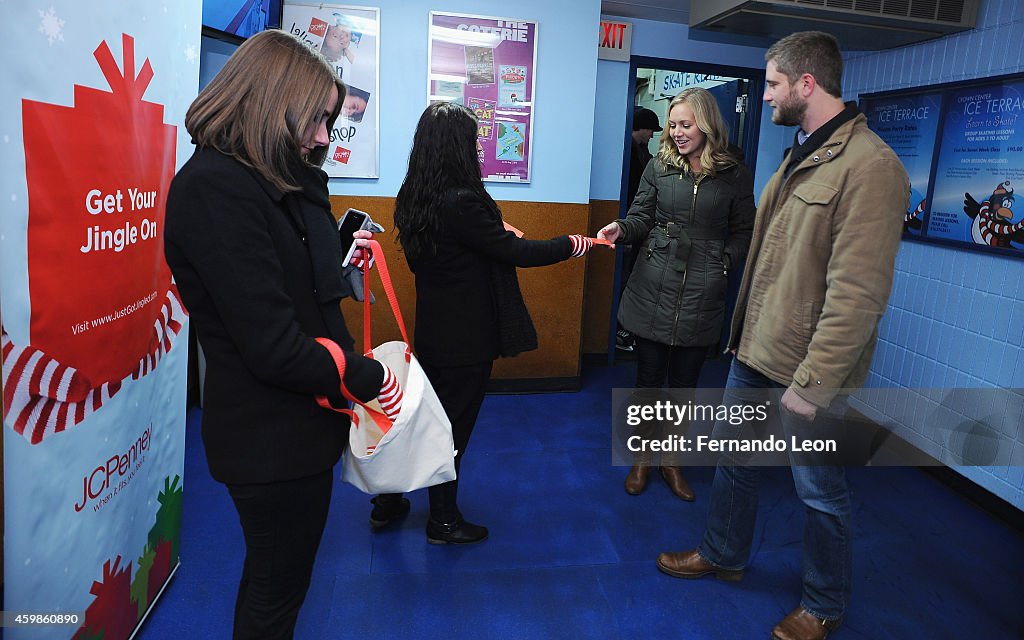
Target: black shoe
x=458, y=532
x=387, y=512
x=624, y=340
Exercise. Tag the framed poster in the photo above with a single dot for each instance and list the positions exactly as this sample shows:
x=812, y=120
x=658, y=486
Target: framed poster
x=908, y=124
x=981, y=160
x=349, y=37
x=963, y=146
x=489, y=66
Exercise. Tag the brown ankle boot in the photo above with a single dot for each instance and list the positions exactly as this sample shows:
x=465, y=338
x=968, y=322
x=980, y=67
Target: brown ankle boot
x=636, y=481
x=677, y=483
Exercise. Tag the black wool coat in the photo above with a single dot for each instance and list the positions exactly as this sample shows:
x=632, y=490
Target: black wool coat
x=461, y=286
x=239, y=250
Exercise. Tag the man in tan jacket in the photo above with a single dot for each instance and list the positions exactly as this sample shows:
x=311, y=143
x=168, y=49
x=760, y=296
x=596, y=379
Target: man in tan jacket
x=818, y=278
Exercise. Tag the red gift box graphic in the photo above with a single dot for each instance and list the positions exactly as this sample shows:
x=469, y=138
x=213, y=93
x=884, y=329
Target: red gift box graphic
x=97, y=177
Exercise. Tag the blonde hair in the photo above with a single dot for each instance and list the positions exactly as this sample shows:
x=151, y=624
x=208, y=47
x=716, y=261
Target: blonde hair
x=715, y=155
x=259, y=106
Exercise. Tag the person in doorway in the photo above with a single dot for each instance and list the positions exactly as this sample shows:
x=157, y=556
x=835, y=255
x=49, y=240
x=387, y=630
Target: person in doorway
x=645, y=124
x=469, y=309
x=805, y=324
x=692, y=216
x=256, y=255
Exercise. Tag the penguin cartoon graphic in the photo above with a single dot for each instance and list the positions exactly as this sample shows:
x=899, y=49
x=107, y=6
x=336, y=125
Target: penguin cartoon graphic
x=992, y=218
x=912, y=219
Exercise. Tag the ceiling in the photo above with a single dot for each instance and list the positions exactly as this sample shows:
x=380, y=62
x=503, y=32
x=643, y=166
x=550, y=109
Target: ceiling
x=660, y=10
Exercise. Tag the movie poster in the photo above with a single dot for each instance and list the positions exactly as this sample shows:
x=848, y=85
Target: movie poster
x=980, y=165
x=488, y=65
x=349, y=37
x=93, y=330
x=909, y=125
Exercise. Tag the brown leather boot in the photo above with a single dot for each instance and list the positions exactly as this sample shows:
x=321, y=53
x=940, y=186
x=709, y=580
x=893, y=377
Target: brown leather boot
x=801, y=624
x=677, y=483
x=690, y=565
x=636, y=481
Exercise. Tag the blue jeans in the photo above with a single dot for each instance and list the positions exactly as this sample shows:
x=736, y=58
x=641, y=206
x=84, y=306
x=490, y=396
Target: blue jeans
x=827, y=553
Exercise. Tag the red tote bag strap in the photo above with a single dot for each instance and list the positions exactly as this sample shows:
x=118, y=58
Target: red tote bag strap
x=339, y=361
x=389, y=290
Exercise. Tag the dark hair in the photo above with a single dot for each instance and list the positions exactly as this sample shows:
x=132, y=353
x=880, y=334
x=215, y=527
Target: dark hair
x=258, y=107
x=443, y=158
x=813, y=52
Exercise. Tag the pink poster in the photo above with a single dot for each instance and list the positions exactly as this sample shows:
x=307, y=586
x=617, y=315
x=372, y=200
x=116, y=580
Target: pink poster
x=489, y=65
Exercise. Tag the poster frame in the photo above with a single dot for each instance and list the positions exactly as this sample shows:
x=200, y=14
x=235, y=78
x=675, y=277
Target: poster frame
x=320, y=6
x=943, y=92
x=533, y=83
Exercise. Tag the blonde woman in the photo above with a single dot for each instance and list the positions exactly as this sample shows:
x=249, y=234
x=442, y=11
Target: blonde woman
x=692, y=216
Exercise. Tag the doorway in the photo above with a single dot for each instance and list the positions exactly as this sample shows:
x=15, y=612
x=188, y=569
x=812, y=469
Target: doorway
x=653, y=82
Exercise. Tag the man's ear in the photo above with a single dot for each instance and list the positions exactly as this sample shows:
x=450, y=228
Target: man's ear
x=807, y=84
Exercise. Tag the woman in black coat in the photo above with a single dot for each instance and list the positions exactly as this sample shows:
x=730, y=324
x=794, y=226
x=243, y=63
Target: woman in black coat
x=469, y=309
x=256, y=255
x=693, y=216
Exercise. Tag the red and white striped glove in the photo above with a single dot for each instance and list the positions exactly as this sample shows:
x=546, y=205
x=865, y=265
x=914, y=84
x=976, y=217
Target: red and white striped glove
x=580, y=245
x=358, y=262
x=390, y=396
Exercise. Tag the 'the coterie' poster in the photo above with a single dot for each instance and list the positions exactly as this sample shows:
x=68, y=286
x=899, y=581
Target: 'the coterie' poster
x=488, y=65
x=981, y=161
x=908, y=124
x=349, y=37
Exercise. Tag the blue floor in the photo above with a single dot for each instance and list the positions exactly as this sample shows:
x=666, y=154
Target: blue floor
x=571, y=555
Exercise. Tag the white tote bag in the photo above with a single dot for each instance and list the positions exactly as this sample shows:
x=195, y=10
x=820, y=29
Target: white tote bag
x=414, y=451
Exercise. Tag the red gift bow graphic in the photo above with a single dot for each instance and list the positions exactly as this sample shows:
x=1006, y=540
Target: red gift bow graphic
x=103, y=304
x=97, y=179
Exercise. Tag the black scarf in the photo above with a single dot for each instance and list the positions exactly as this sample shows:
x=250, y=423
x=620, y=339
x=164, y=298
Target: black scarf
x=312, y=208
x=516, y=333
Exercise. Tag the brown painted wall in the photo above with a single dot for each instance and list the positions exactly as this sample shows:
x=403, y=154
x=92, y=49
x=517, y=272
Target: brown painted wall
x=554, y=294
x=597, y=303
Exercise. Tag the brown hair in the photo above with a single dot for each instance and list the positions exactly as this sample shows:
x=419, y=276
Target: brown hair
x=813, y=52
x=715, y=155
x=259, y=106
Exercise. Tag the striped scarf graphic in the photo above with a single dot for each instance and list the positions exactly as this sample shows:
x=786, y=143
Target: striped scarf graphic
x=43, y=397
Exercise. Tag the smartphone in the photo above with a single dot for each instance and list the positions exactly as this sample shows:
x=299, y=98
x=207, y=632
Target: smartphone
x=352, y=221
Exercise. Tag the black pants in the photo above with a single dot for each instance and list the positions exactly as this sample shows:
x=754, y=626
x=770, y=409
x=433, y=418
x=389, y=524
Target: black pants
x=461, y=391
x=656, y=363
x=282, y=523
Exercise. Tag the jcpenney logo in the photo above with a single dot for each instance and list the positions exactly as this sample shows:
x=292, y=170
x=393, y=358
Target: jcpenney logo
x=109, y=477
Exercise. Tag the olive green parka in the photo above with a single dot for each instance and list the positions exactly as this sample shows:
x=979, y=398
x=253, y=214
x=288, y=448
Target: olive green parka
x=692, y=230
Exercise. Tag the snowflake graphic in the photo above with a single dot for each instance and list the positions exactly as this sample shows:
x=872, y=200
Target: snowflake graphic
x=190, y=53
x=51, y=25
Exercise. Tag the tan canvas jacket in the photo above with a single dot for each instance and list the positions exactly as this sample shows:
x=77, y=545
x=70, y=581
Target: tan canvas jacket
x=820, y=266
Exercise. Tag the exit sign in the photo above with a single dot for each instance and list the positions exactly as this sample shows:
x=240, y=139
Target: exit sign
x=614, y=39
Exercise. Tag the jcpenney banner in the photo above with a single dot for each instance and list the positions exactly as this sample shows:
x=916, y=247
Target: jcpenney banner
x=488, y=65
x=349, y=37
x=94, y=350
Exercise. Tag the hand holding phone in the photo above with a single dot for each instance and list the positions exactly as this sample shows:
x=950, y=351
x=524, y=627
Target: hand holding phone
x=353, y=220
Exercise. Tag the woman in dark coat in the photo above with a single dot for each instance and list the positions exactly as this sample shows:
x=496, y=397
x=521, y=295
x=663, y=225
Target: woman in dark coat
x=256, y=256
x=469, y=309
x=693, y=216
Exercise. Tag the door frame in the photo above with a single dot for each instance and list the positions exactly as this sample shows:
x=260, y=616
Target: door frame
x=748, y=140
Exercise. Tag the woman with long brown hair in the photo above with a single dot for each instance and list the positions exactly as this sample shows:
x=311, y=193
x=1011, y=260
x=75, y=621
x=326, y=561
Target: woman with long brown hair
x=256, y=255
